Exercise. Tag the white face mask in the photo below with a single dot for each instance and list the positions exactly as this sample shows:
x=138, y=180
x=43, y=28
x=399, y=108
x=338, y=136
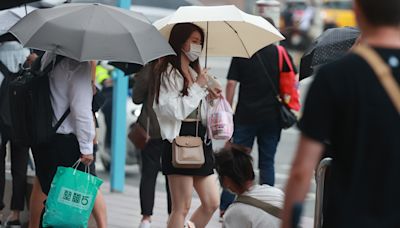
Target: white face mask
x=194, y=52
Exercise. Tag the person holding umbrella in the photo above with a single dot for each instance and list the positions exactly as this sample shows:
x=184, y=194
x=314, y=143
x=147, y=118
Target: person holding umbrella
x=180, y=90
x=12, y=56
x=37, y=198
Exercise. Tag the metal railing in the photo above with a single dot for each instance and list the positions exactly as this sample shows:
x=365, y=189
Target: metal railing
x=319, y=200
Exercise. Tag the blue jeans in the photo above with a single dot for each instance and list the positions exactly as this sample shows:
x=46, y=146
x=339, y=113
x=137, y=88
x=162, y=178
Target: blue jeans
x=268, y=136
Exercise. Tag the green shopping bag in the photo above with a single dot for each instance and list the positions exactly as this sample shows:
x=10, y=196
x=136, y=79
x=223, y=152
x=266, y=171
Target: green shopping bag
x=71, y=198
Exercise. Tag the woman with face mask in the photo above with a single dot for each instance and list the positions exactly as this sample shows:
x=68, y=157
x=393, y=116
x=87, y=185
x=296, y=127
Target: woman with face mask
x=181, y=96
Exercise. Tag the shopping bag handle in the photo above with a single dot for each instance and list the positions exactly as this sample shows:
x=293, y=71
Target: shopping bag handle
x=87, y=169
x=76, y=164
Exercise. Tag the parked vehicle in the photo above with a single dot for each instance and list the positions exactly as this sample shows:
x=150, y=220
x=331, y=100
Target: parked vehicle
x=104, y=151
x=338, y=13
x=47, y=3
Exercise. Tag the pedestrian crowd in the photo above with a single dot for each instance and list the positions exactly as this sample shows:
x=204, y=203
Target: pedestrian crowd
x=352, y=110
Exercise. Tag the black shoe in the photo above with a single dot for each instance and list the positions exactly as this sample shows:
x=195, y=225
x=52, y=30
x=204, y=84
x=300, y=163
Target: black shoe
x=13, y=224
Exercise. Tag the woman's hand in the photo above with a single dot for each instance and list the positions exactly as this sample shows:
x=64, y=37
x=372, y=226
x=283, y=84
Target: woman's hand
x=214, y=93
x=202, y=78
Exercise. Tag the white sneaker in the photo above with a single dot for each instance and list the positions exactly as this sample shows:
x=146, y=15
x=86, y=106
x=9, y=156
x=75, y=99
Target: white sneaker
x=145, y=224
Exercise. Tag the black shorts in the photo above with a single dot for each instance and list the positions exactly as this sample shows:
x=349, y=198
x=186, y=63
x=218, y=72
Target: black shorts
x=188, y=128
x=63, y=150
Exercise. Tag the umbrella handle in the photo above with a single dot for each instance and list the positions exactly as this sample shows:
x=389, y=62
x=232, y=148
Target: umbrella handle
x=206, y=47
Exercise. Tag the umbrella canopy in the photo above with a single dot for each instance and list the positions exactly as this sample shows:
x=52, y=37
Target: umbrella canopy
x=11, y=16
x=92, y=32
x=127, y=68
x=229, y=31
x=6, y=4
x=329, y=46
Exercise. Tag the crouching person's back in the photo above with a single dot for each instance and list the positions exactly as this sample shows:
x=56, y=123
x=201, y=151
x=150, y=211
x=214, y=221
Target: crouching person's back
x=257, y=206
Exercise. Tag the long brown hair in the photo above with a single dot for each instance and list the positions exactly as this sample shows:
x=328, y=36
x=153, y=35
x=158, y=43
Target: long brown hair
x=180, y=33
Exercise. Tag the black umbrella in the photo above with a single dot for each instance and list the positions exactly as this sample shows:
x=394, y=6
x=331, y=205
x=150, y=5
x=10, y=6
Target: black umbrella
x=127, y=68
x=6, y=4
x=329, y=46
x=7, y=37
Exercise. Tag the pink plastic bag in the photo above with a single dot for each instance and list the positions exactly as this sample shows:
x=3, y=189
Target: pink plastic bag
x=220, y=120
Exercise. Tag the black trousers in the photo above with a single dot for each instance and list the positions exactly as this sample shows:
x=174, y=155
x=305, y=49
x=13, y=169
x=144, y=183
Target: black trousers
x=107, y=111
x=63, y=150
x=151, y=165
x=19, y=166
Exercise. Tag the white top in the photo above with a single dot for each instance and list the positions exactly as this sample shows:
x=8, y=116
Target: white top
x=12, y=54
x=70, y=86
x=173, y=107
x=239, y=215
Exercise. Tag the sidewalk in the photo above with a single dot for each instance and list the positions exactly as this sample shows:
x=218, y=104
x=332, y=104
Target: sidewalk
x=124, y=209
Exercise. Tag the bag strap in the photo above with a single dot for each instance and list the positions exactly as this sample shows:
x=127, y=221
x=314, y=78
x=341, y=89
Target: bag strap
x=283, y=55
x=4, y=69
x=198, y=119
x=382, y=72
x=61, y=120
x=267, y=207
x=148, y=125
x=275, y=90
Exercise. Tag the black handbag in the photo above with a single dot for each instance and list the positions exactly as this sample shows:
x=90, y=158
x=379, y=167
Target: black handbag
x=287, y=117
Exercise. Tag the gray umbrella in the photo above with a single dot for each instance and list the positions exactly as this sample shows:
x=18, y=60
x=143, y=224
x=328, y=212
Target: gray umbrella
x=11, y=16
x=92, y=32
x=7, y=20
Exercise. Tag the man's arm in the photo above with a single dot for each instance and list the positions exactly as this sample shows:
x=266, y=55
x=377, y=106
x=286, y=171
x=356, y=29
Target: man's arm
x=230, y=91
x=80, y=97
x=307, y=157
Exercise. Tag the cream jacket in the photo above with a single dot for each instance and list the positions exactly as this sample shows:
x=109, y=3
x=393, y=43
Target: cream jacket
x=173, y=107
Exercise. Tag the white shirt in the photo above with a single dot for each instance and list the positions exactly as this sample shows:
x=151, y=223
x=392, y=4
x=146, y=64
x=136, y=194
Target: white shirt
x=12, y=54
x=70, y=86
x=239, y=215
x=173, y=107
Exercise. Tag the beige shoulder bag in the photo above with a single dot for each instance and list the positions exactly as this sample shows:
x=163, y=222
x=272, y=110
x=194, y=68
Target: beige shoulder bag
x=382, y=72
x=187, y=151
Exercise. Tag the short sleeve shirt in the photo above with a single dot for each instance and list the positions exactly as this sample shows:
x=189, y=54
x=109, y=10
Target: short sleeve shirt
x=348, y=108
x=257, y=103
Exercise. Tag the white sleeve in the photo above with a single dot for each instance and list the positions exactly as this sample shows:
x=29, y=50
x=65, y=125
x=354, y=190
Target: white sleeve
x=81, y=95
x=171, y=103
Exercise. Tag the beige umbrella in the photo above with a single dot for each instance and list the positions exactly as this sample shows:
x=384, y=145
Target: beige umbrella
x=229, y=31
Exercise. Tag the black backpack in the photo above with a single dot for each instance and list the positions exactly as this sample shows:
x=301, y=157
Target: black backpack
x=30, y=106
x=5, y=116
